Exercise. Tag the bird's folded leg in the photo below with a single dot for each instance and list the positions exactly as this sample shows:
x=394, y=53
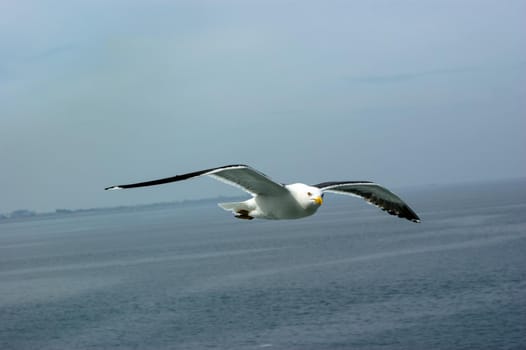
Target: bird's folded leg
x=243, y=214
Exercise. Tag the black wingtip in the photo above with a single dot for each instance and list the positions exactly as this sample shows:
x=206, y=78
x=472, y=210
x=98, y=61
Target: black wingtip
x=409, y=214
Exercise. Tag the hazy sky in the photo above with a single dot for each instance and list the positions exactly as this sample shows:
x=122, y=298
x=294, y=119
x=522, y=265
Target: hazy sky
x=97, y=93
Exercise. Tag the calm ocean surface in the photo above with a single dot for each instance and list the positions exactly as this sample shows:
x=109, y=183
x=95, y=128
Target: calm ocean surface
x=350, y=277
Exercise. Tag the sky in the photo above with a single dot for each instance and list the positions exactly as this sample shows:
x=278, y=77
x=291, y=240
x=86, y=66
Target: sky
x=404, y=93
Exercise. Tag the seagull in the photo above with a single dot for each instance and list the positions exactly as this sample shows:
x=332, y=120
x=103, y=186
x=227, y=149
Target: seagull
x=275, y=201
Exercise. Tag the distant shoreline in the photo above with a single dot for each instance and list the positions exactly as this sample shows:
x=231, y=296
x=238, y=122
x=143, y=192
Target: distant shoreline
x=22, y=214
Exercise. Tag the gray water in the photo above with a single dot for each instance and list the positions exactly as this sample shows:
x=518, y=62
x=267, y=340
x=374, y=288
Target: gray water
x=350, y=277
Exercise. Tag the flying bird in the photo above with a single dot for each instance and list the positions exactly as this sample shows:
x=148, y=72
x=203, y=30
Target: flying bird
x=276, y=201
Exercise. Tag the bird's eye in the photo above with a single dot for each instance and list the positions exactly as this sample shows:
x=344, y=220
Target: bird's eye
x=309, y=194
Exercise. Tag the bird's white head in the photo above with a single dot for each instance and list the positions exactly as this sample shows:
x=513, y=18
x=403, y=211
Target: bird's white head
x=307, y=196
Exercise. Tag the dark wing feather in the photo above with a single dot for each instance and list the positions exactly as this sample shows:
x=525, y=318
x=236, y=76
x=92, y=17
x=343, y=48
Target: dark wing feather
x=238, y=175
x=374, y=194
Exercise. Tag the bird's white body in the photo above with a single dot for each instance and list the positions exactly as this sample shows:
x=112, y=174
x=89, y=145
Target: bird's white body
x=299, y=201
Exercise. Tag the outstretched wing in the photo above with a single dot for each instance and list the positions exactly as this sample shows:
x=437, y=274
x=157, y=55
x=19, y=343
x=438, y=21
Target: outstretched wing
x=374, y=194
x=238, y=175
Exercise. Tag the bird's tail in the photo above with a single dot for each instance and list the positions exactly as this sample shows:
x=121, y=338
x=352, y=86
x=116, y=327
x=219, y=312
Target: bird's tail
x=235, y=207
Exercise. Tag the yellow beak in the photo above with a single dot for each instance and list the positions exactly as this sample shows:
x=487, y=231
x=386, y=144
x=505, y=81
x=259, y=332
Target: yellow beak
x=318, y=200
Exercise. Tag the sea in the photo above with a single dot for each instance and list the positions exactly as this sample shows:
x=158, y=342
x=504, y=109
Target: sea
x=349, y=277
